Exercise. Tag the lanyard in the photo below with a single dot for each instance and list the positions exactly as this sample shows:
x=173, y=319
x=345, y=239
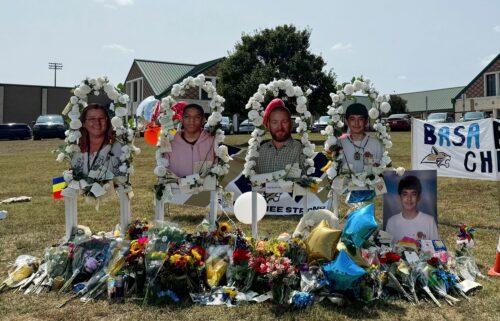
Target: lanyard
x=89, y=165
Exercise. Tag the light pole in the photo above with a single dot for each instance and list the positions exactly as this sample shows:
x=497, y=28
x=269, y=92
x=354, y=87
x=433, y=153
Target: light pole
x=56, y=66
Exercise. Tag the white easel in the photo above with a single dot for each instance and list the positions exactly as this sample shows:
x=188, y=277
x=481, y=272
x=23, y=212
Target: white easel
x=212, y=218
x=71, y=210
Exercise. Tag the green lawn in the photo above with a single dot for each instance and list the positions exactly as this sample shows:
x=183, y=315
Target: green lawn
x=27, y=167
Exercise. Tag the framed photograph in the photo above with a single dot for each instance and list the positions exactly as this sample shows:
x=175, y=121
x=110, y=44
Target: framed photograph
x=410, y=205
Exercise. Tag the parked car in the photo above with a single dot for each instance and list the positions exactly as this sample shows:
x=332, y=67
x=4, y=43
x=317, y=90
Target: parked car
x=49, y=126
x=226, y=125
x=246, y=127
x=440, y=118
x=475, y=115
x=399, y=121
x=320, y=124
x=15, y=131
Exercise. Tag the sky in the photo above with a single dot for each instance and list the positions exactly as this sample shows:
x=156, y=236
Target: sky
x=402, y=46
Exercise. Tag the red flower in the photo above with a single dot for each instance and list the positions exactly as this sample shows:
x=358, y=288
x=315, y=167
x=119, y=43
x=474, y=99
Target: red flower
x=434, y=261
x=241, y=255
x=392, y=257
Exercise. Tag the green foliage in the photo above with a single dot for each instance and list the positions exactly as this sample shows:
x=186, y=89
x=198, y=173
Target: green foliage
x=398, y=105
x=282, y=52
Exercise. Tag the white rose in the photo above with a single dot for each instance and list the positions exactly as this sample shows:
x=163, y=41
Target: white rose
x=373, y=113
x=308, y=151
x=116, y=122
x=379, y=99
x=120, y=111
x=332, y=140
x=96, y=92
x=113, y=95
x=124, y=99
x=258, y=97
x=75, y=124
x=60, y=157
x=335, y=118
x=73, y=115
x=212, y=121
x=258, y=121
x=301, y=100
x=388, y=144
x=307, y=114
x=160, y=171
x=400, y=171
x=123, y=168
x=68, y=176
x=108, y=88
x=79, y=93
x=256, y=105
x=290, y=92
x=301, y=108
x=298, y=91
x=373, y=95
x=329, y=130
x=335, y=98
x=85, y=89
x=357, y=85
x=176, y=90
x=349, y=89
x=385, y=107
x=73, y=100
x=253, y=114
x=340, y=124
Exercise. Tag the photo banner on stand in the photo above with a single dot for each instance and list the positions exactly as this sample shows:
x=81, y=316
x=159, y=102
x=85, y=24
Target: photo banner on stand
x=277, y=203
x=464, y=150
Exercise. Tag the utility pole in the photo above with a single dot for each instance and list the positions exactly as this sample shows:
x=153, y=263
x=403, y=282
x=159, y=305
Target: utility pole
x=56, y=66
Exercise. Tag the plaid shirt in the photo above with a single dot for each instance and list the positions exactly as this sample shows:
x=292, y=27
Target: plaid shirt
x=271, y=159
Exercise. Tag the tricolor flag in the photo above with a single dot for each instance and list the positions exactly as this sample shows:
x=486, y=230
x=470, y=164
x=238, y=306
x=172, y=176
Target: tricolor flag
x=58, y=184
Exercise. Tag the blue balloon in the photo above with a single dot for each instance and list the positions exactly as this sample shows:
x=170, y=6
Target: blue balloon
x=360, y=226
x=342, y=273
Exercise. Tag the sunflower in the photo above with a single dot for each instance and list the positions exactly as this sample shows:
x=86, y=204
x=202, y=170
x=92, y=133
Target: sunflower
x=223, y=228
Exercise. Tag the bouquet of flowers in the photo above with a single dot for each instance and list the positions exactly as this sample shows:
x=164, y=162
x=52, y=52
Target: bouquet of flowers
x=182, y=270
x=240, y=274
x=137, y=229
x=282, y=276
x=89, y=257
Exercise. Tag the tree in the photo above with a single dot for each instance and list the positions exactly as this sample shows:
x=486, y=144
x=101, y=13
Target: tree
x=270, y=54
x=398, y=105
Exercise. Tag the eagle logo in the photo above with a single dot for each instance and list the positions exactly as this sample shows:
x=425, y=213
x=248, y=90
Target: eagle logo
x=437, y=157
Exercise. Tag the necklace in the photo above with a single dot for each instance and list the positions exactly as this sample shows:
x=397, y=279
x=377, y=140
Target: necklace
x=358, y=149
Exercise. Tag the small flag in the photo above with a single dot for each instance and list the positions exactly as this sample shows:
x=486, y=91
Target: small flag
x=58, y=184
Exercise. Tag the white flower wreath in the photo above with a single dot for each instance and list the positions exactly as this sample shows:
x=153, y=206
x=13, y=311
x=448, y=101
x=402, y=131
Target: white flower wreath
x=168, y=125
x=256, y=116
x=123, y=134
x=372, y=173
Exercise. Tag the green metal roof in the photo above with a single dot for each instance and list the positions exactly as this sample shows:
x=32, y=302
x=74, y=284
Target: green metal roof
x=198, y=69
x=438, y=99
x=162, y=75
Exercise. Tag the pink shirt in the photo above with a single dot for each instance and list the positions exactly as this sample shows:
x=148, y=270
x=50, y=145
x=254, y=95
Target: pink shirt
x=186, y=159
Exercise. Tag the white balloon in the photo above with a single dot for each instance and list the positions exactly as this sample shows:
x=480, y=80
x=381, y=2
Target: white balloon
x=243, y=207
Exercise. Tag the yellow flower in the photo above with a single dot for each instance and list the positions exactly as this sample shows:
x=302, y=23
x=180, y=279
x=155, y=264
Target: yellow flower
x=224, y=228
x=196, y=255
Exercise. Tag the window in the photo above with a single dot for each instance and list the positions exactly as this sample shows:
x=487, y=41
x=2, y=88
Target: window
x=134, y=90
x=491, y=85
x=203, y=94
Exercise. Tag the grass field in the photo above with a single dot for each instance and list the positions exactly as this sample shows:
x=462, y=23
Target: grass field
x=27, y=167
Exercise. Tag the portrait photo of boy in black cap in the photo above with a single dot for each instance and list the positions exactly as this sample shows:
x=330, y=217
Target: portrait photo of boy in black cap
x=359, y=148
